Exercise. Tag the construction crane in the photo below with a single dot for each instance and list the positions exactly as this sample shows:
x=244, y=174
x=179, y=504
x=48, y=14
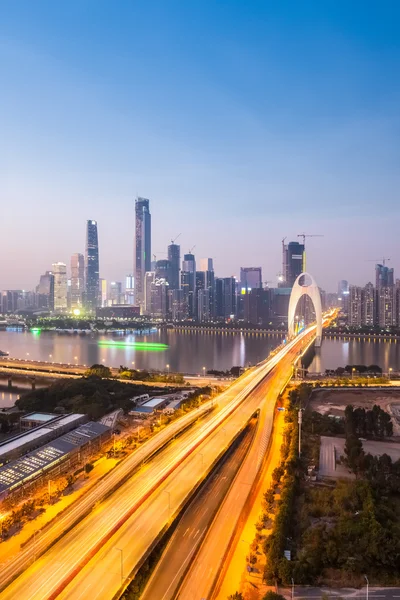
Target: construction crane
x=173, y=241
x=191, y=249
x=304, y=235
x=383, y=259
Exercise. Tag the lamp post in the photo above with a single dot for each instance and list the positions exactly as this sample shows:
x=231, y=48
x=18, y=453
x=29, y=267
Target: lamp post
x=122, y=563
x=352, y=372
x=366, y=579
x=390, y=372
x=204, y=371
x=167, y=369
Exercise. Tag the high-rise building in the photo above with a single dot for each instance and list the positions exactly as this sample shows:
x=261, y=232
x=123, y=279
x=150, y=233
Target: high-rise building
x=177, y=305
x=10, y=301
x=387, y=306
x=174, y=257
x=103, y=296
x=115, y=293
x=384, y=276
x=130, y=290
x=343, y=295
x=91, y=267
x=142, y=247
x=294, y=262
x=257, y=306
x=250, y=278
x=369, y=305
x=355, y=306
x=164, y=270
x=77, y=281
x=203, y=305
x=207, y=267
x=229, y=297
x=159, y=298
x=188, y=283
x=149, y=278
x=45, y=291
x=59, y=270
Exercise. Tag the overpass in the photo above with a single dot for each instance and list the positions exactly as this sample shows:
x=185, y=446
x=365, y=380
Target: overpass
x=123, y=527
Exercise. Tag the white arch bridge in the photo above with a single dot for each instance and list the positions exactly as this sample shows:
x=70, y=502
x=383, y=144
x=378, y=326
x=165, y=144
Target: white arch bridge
x=311, y=290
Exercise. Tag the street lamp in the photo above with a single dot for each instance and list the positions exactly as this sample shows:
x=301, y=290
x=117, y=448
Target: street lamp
x=204, y=371
x=390, y=372
x=133, y=363
x=366, y=579
x=167, y=368
x=352, y=372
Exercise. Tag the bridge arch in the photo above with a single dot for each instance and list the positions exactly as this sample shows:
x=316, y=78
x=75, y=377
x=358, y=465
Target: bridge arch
x=312, y=291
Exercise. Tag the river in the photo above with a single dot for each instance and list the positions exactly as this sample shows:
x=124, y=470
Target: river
x=339, y=353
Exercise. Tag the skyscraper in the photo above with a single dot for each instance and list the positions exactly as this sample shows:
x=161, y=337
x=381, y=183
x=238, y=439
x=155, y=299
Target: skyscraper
x=115, y=292
x=355, y=306
x=60, y=286
x=92, y=267
x=77, y=280
x=45, y=291
x=130, y=289
x=250, y=278
x=174, y=257
x=188, y=283
x=384, y=276
x=295, y=261
x=142, y=247
x=207, y=267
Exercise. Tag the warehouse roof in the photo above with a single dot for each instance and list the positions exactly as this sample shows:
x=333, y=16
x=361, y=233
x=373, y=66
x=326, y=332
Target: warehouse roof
x=33, y=464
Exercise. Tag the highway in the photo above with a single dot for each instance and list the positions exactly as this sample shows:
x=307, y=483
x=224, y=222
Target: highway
x=201, y=578
x=194, y=523
x=93, y=550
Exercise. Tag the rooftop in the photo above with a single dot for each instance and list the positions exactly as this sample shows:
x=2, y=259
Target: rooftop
x=28, y=467
x=154, y=402
x=36, y=416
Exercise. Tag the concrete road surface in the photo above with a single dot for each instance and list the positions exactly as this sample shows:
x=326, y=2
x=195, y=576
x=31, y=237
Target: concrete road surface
x=193, y=525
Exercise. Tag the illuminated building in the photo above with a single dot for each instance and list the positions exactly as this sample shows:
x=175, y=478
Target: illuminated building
x=130, y=290
x=60, y=286
x=188, y=283
x=159, y=298
x=142, y=262
x=203, y=305
x=177, y=305
x=207, y=282
x=355, y=306
x=343, y=295
x=92, y=267
x=174, y=257
x=257, y=306
x=103, y=292
x=164, y=270
x=369, y=305
x=149, y=278
x=386, y=306
x=77, y=280
x=250, y=278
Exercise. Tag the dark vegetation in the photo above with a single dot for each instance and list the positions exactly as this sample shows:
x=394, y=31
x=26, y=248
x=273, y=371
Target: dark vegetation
x=135, y=375
x=358, y=369
x=339, y=531
x=91, y=395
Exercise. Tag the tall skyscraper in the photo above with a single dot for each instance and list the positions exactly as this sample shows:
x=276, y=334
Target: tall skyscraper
x=60, y=286
x=387, y=312
x=142, y=247
x=92, y=267
x=174, y=257
x=115, y=292
x=295, y=261
x=103, y=296
x=369, y=305
x=77, y=281
x=207, y=267
x=188, y=283
x=164, y=270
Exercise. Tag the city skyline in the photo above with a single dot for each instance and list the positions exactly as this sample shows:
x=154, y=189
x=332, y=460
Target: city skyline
x=312, y=148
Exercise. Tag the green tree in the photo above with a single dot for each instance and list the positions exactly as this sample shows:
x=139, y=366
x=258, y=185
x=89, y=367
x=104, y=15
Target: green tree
x=270, y=595
x=98, y=371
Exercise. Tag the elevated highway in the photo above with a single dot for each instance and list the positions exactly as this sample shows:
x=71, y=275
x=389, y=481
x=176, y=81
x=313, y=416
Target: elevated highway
x=107, y=545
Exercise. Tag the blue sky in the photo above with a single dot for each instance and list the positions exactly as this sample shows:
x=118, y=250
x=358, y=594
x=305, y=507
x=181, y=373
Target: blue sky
x=243, y=122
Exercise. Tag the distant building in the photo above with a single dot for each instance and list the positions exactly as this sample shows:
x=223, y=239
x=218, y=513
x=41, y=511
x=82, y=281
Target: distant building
x=45, y=292
x=250, y=278
x=387, y=312
x=355, y=306
x=122, y=311
x=150, y=277
x=10, y=301
x=142, y=247
x=159, y=298
x=174, y=257
x=115, y=294
x=207, y=267
x=177, y=305
x=203, y=305
x=343, y=296
x=60, y=286
x=384, y=276
x=369, y=305
x=164, y=270
x=188, y=283
x=130, y=289
x=103, y=295
x=77, y=281
x=257, y=306
x=91, y=267
x=294, y=262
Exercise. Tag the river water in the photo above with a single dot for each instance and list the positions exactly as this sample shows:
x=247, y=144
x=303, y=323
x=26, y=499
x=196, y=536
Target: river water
x=339, y=353
x=187, y=352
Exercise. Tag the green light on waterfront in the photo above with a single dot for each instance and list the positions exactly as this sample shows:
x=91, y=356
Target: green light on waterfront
x=36, y=330
x=148, y=346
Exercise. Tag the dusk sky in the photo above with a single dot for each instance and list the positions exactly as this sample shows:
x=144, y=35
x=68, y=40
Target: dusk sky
x=243, y=122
